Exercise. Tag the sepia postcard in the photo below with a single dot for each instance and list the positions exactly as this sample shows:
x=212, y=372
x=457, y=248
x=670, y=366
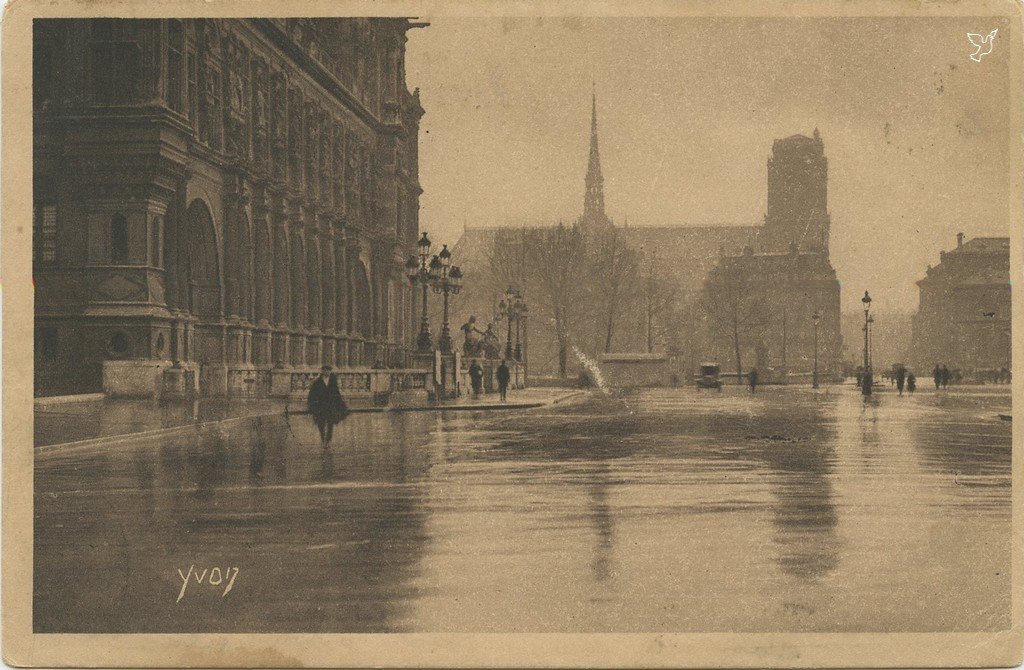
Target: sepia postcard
x=534, y=334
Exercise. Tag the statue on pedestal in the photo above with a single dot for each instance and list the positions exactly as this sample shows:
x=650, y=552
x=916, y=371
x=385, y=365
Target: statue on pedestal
x=491, y=346
x=471, y=346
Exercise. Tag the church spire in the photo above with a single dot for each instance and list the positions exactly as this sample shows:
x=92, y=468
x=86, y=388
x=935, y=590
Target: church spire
x=593, y=198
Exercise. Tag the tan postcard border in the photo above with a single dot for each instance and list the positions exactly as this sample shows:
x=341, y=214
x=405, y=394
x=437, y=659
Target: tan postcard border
x=22, y=647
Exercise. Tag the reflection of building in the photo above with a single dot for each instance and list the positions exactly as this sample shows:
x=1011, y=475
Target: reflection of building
x=225, y=195
x=765, y=299
x=963, y=319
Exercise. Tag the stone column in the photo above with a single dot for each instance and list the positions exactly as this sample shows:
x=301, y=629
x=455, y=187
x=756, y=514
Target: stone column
x=281, y=257
x=328, y=290
x=263, y=278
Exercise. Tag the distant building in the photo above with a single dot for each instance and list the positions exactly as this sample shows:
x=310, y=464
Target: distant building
x=797, y=196
x=220, y=196
x=765, y=297
x=685, y=254
x=963, y=318
x=763, y=304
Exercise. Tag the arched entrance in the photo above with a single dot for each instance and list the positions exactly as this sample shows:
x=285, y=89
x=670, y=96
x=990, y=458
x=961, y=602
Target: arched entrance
x=238, y=268
x=202, y=281
x=202, y=271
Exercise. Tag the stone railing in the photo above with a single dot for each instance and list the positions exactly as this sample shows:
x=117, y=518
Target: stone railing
x=249, y=383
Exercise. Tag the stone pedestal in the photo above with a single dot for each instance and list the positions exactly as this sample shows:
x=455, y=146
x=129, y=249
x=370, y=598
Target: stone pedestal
x=179, y=383
x=133, y=378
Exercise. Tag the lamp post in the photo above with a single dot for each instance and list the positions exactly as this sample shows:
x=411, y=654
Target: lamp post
x=445, y=279
x=507, y=311
x=867, y=380
x=416, y=269
x=815, y=317
x=521, y=310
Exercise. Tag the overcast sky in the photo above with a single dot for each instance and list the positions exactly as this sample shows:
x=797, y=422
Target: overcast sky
x=915, y=132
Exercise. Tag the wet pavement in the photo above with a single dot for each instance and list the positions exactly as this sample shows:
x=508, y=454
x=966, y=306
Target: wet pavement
x=100, y=418
x=662, y=510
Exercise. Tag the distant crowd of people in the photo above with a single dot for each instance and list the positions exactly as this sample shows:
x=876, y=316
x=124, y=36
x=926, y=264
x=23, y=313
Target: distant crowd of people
x=942, y=376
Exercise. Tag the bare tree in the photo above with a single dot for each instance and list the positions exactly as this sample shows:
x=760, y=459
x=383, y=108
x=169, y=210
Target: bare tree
x=662, y=310
x=735, y=306
x=556, y=263
x=612, y=280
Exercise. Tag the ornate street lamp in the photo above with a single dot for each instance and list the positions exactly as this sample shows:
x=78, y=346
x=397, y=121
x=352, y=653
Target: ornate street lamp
x=520, y=315
x=445, y=279
x=507, y=310
x=867, y=380
x=815, y=317
x=416, y=269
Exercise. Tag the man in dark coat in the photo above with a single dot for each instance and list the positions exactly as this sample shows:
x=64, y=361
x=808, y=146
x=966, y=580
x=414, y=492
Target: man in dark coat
x=752, y=378
x=911, y=383
x=937, y=375
x=476, y=377
x=901, y=378
x=503, y=378
x=325, y=404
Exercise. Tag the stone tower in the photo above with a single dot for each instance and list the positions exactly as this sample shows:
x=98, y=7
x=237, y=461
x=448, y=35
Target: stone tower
x=797, y=196
x=593, y=198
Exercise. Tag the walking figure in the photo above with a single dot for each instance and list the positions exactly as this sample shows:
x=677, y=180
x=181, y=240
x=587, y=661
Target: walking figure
x=503, y=378
x=901, y=377
x=326, y=404
x=752, y=378
x=937, y=374
x=911, y=383
x=476, y=378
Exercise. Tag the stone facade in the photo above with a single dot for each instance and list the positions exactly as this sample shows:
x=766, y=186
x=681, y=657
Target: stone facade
x=797, y=196
x=223, y=197
x=765, y=297
x=771, y=299
x=963, y=319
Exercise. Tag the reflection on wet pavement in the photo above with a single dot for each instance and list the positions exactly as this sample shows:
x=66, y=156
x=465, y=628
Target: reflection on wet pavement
x=664, y=510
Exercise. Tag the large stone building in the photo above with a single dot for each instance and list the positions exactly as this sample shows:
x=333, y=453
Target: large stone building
x=222, y=197
x=963, y=318
x=683, y=254
x=687, y=256
x=758, y=306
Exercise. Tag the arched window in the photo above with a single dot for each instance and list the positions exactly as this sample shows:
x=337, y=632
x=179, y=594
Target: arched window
x=115, y=60
x=118, y=240
x=176, y=65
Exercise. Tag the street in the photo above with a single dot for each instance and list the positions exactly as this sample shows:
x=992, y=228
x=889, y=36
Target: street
x=660, y=510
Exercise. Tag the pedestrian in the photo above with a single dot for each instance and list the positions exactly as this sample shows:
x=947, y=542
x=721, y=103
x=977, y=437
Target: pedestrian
x=476, y=378
x=944, y=376
x=911, y=383
x=326, y=404
x=752, y=378
x=503, y=378
x=937, y=374
x=901, y=378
